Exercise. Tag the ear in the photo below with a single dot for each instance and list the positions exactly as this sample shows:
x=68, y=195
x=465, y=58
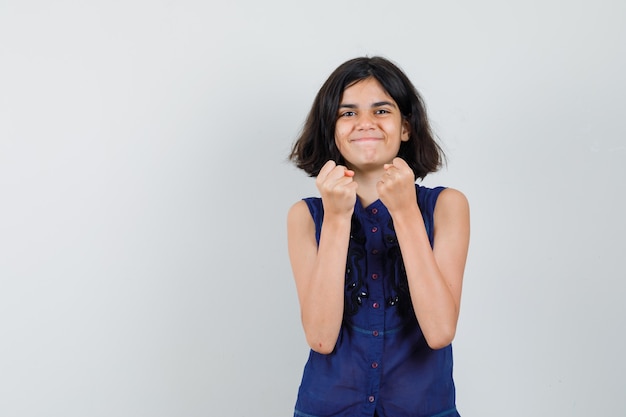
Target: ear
x=406, y=130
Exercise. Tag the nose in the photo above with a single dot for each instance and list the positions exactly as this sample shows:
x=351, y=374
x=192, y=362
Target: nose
x=365, y=121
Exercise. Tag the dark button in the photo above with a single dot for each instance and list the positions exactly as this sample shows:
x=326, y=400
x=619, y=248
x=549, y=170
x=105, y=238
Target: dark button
x=374, y=365
x=375, y=333
x=374, y=251
x=371, y=398
x=374, y=276
x=374, y=211
x=374, y=229
x=375, y=305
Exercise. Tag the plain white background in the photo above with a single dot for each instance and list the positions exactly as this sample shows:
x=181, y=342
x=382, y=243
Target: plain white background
x=144, y=188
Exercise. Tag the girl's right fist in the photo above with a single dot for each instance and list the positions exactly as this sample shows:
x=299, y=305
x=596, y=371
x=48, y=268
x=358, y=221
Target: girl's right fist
x=337, y=188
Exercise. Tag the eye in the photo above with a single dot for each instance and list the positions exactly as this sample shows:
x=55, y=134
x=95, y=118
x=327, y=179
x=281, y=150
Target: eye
x=382, y=111
x=348, y=113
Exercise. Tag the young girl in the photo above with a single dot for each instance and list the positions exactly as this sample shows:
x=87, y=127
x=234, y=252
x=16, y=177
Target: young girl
x=378, y=260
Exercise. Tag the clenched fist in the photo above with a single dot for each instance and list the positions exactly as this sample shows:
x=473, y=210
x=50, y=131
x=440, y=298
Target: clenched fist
x=337, y=188
x=396, y=188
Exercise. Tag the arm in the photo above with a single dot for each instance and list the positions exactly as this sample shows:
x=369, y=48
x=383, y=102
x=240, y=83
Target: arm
x=319, y=272
x=435, y=276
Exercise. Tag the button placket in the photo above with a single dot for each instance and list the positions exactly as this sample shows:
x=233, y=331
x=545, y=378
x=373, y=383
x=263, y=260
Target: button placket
x=376, y=246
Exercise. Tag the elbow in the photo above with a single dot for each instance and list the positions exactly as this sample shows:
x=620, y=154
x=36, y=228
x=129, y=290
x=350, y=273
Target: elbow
x=322, y=350
x=441, y=339
x=322, y=346
x=321, y=338
x=438, y=344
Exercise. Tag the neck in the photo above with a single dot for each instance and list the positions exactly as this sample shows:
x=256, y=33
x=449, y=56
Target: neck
x=367, y=181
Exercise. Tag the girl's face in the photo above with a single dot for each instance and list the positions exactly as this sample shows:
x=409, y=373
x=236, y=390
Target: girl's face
x=369, y=126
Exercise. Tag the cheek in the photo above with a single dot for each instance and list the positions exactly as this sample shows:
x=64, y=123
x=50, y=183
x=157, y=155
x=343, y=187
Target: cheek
x=340, y=134
x=337, y=142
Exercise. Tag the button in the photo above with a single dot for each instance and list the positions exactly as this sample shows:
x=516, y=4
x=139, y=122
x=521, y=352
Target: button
x=371, y=398
x=374, y=276
x=375, y=211
x=375, y=333
x=374, y=251
x=374, y=365
x=375, y=305
x=374, y=229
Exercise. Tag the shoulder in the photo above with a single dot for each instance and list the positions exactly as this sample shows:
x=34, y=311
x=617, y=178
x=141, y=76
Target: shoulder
x=305, y=211
x=452, y=207
x=298, y=210
x=300, y=224
x=452, y=197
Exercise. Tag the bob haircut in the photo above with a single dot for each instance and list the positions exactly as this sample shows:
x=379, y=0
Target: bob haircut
x=316, y=143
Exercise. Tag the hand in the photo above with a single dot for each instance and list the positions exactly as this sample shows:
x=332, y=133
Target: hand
x=337, y=188
x=396, y=188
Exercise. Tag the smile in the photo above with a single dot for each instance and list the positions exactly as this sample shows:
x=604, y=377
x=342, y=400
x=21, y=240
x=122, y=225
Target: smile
x=365, y=139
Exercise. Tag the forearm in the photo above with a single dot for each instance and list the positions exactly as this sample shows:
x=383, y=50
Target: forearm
x=433, y=301
x=322, y=301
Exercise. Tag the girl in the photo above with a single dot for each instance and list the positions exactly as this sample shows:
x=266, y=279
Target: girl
x=378, y=260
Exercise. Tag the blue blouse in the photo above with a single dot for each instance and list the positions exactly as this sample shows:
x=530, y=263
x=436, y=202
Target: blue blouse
x=381, y=362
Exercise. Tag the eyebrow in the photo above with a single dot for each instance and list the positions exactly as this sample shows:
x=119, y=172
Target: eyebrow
x=377, y=104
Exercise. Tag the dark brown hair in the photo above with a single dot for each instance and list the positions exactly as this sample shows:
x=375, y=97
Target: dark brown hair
x=316, y=144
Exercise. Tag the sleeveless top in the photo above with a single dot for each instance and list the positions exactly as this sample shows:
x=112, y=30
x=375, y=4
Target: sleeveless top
x=381, y=363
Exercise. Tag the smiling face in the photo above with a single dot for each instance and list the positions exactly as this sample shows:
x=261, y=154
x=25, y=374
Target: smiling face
x=369, y=126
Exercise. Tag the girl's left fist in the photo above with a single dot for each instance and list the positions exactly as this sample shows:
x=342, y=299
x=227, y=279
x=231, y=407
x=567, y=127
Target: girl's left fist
x=396, y=188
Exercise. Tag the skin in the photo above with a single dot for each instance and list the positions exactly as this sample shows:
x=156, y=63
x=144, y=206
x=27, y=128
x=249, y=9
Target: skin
x=368, y=134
